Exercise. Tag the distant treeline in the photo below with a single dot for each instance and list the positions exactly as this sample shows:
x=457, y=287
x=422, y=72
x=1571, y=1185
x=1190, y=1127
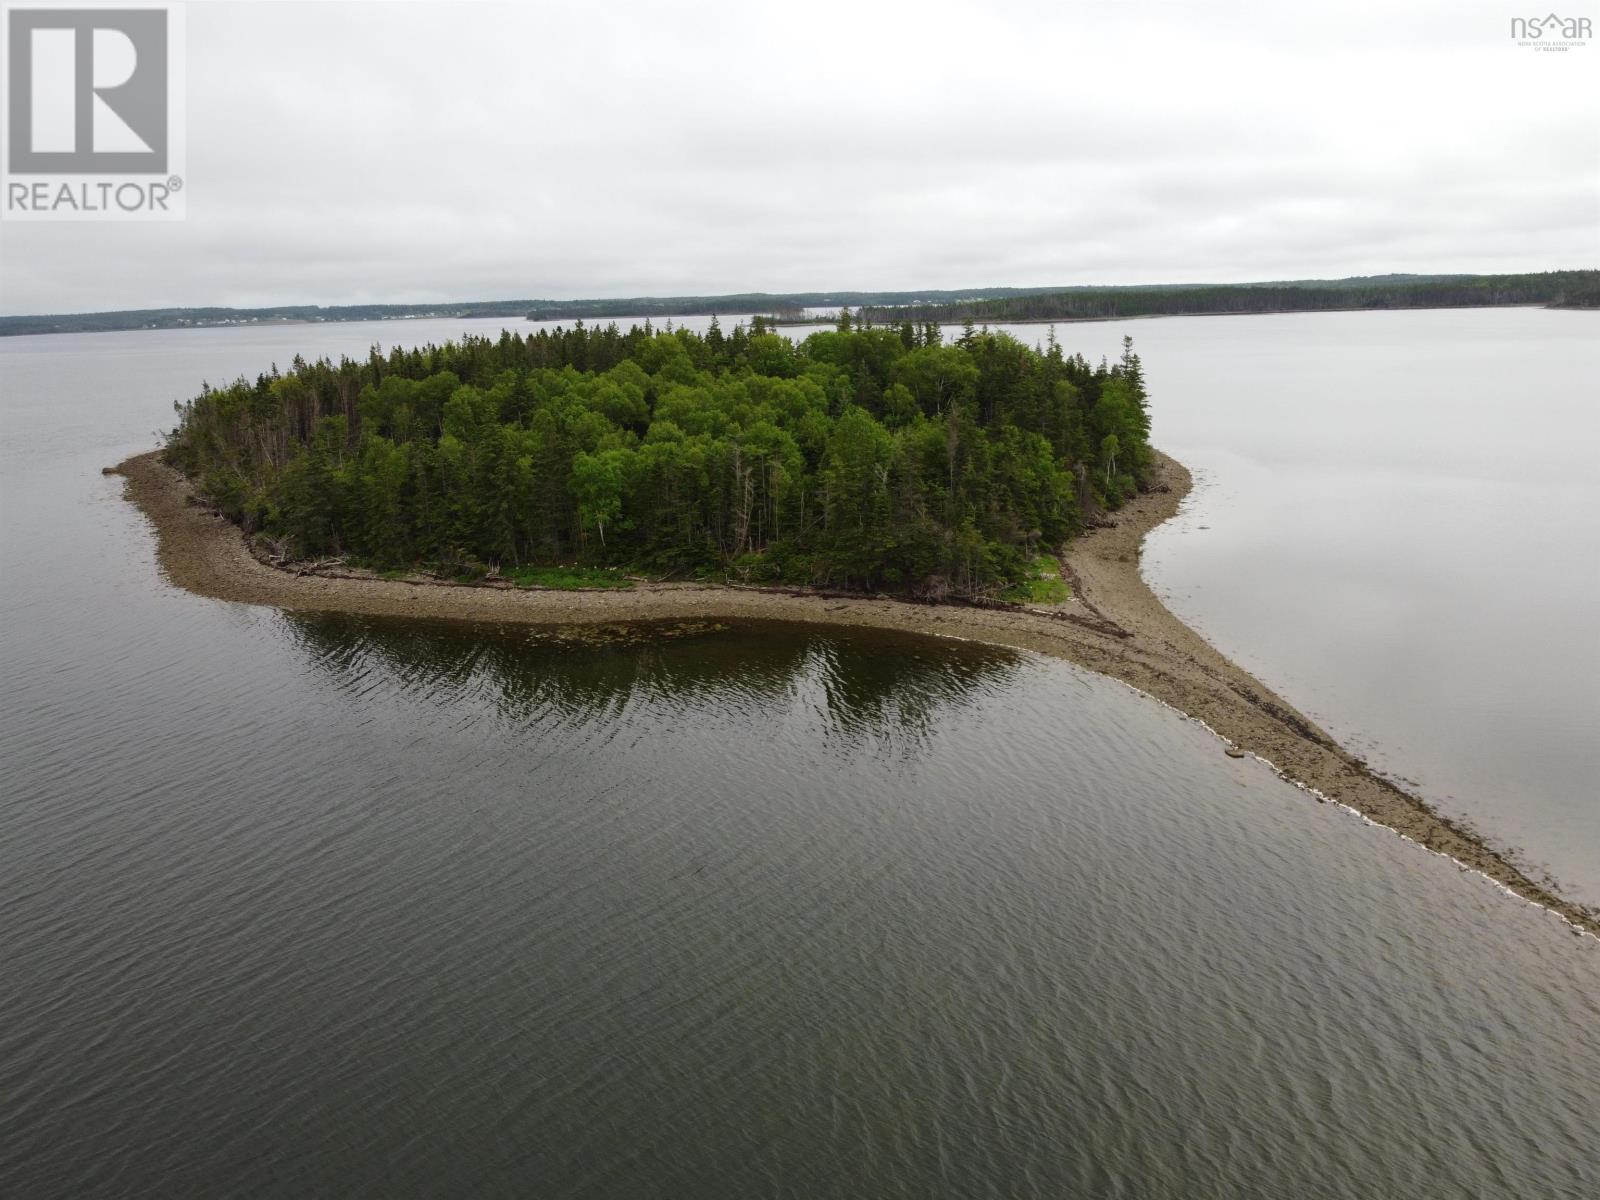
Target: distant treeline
x=1580, y=296
x=199, y=318
x=861, y=458
x=1559, y=288
x=1567, y=288
x=788, y=305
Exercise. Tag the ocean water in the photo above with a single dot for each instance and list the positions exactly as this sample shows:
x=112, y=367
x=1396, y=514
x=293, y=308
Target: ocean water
x=1397, y=527
x=296, y=905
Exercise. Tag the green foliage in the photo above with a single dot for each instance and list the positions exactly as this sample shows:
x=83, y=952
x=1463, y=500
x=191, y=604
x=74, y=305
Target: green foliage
x=1043, y=584
x=865, y=457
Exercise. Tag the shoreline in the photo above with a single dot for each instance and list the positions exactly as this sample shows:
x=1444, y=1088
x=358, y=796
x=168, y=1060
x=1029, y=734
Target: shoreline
x=1246, y=312
x=1113, y=625
x=515, y=319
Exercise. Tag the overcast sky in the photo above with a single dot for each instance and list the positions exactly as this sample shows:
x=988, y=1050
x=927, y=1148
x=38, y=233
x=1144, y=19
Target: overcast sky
x=343, y=153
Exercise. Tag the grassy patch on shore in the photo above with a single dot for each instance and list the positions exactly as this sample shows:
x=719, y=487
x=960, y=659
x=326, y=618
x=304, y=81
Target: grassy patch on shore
x=1044, y=584
x=569, y=578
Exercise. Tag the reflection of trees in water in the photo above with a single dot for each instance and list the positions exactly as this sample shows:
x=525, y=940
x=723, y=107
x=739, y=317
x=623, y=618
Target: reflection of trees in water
x=897, y=687
x=862, y=684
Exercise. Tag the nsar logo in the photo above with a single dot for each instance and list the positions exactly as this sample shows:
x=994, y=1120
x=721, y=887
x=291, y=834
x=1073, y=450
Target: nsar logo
x=1551, y=32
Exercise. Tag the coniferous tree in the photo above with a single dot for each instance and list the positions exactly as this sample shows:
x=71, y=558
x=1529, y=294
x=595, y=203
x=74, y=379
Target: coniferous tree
x=863, y=457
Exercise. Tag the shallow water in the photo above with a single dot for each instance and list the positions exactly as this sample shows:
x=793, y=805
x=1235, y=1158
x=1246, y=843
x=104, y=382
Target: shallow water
x=328, y=906
x=1397, y=527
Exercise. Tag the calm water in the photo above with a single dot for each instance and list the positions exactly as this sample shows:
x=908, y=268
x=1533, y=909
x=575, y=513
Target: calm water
x=1398, y=527
x=301, y=906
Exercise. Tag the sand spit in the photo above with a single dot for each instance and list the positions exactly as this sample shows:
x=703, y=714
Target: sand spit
x=1114, y=625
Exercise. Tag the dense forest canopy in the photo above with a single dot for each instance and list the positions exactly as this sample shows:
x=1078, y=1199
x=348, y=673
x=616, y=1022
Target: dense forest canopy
x=1560, y=288
x=864, y=457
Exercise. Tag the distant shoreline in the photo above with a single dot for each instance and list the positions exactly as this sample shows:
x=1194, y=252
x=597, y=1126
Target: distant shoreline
x=1070, y=303
x=513, y=321
x=1254, y=312
x=776, y=322
x=1114, y=625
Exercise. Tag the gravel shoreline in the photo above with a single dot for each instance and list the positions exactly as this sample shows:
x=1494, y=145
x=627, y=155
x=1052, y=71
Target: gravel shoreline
x=1113, y=625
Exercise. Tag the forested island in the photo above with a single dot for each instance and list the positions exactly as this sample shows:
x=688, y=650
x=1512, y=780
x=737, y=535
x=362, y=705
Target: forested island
x=865, y=457
x=886, y=464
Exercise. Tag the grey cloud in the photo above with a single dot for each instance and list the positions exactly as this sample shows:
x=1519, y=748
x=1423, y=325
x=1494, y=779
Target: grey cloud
x=358, y=152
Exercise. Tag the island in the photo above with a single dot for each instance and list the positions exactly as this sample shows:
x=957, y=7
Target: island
x=862, y=459
x=870, y=475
